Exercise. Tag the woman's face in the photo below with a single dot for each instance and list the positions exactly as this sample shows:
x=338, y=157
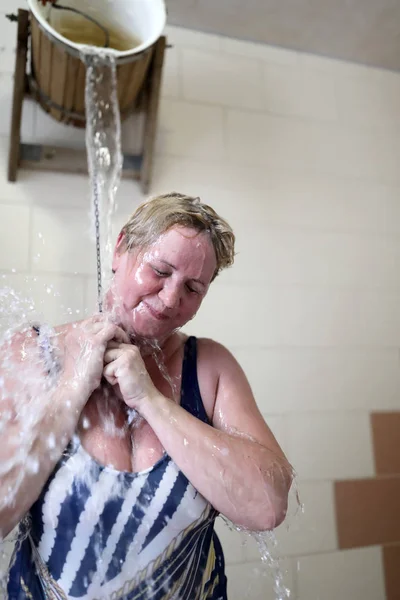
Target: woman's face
x=159, y=289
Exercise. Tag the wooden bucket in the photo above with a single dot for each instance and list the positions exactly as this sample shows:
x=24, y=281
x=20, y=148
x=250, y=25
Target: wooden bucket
x=58, y=73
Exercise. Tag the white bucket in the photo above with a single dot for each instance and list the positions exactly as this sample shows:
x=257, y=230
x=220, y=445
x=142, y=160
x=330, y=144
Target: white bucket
x=143, y=20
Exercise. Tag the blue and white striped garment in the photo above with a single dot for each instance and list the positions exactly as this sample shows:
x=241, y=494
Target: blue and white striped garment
x=96, y=533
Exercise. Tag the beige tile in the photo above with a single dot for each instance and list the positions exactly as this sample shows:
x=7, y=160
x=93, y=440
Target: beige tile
x=190, y=130
x=255, y=581
x=321, y=378
x=61, y=241
x=330, y=446
x=351, y=575
x=296, y=92
x=269, y=54
x=218, y=79
x=14, y=236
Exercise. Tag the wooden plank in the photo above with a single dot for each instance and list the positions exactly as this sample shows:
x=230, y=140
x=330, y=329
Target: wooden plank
x=79, y=99
x=71, y=77
x=68, y=160
x=18, y=93
x=153, y=100
x=45, y=74
x=58, y=82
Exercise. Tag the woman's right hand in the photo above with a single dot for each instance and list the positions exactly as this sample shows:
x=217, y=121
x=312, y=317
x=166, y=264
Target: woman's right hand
x=82, y=352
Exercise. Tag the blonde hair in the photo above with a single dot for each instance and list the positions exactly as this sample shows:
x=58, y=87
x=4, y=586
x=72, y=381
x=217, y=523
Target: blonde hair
x=155, y=216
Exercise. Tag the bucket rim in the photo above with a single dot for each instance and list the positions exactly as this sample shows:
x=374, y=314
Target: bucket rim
x=77, y=48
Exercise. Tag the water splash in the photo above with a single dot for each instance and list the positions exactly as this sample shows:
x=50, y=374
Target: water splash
x=103, y=145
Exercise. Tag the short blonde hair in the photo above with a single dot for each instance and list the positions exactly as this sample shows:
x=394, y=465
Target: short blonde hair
x=155, y=216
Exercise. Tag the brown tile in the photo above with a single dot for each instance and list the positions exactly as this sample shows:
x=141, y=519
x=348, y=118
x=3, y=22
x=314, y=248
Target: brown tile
x=391, y=565
x=367, y=511
x=386, y=437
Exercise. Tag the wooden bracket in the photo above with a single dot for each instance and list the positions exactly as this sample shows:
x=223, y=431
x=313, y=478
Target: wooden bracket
x=58, y=158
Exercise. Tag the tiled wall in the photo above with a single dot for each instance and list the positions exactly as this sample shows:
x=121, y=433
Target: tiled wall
x=301, y=154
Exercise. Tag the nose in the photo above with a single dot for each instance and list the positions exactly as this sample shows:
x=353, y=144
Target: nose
x=170, y=295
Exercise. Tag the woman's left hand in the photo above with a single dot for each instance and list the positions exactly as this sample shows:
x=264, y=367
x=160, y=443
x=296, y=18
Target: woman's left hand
x=124, y=367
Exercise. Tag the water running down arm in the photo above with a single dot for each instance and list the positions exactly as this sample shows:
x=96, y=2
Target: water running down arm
x=38, y=419
x=236, y=463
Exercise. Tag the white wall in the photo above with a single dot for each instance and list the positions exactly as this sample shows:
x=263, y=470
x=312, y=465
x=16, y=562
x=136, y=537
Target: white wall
x=301, y=154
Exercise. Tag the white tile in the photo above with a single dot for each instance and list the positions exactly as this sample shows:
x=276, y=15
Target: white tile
x=304, y=379
x=367, y=101
x=232, y=542
x=255, y=581
x=90, y=296
x=270, y=54
x=218, y=79
x=190, y=130
x=6, y=550
x=8, y=44
x=277, y=425
x=171, y=83
x=311, y=147
x=61, y=241
x=286, y=256
x=13, y=5
x=297, y=92
x=310, y=528
x=48, y=131
x=53, y=299
x=42, y=188
x=335, y=66
x=330, y=446
x=225, y=186
x=132, y=134
x=329, y=203
x=297, y=316
x=14, y=236
x=181, y=36
x=351, y=575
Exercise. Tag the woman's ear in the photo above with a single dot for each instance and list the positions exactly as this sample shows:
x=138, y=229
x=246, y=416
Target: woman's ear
x=118, y=251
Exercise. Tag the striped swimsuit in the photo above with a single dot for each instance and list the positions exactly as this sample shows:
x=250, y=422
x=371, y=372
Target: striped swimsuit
x=96, y=533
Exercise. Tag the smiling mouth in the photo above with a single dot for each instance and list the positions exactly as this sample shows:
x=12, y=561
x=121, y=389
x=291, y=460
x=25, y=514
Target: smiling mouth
x=155, y=314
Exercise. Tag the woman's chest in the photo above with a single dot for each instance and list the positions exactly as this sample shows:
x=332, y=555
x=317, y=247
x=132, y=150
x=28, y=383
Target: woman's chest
x=113, y=436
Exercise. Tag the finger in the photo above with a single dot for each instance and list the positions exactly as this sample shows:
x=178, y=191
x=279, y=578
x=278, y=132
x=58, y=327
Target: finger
x=109, y=373
x=112, y=354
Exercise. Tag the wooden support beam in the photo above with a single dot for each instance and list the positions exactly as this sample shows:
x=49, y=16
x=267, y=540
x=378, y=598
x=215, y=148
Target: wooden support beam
x=18, y=93
x=153, y=99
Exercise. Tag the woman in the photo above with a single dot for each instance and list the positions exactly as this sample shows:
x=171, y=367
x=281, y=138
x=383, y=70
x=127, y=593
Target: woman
x=161, y=431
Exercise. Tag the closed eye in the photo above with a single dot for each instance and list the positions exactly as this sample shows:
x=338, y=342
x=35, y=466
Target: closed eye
x=160, y=273
x=192, y=290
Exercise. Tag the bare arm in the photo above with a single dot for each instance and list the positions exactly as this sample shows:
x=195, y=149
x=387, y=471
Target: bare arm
x=236, y=464
x=39, y=412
